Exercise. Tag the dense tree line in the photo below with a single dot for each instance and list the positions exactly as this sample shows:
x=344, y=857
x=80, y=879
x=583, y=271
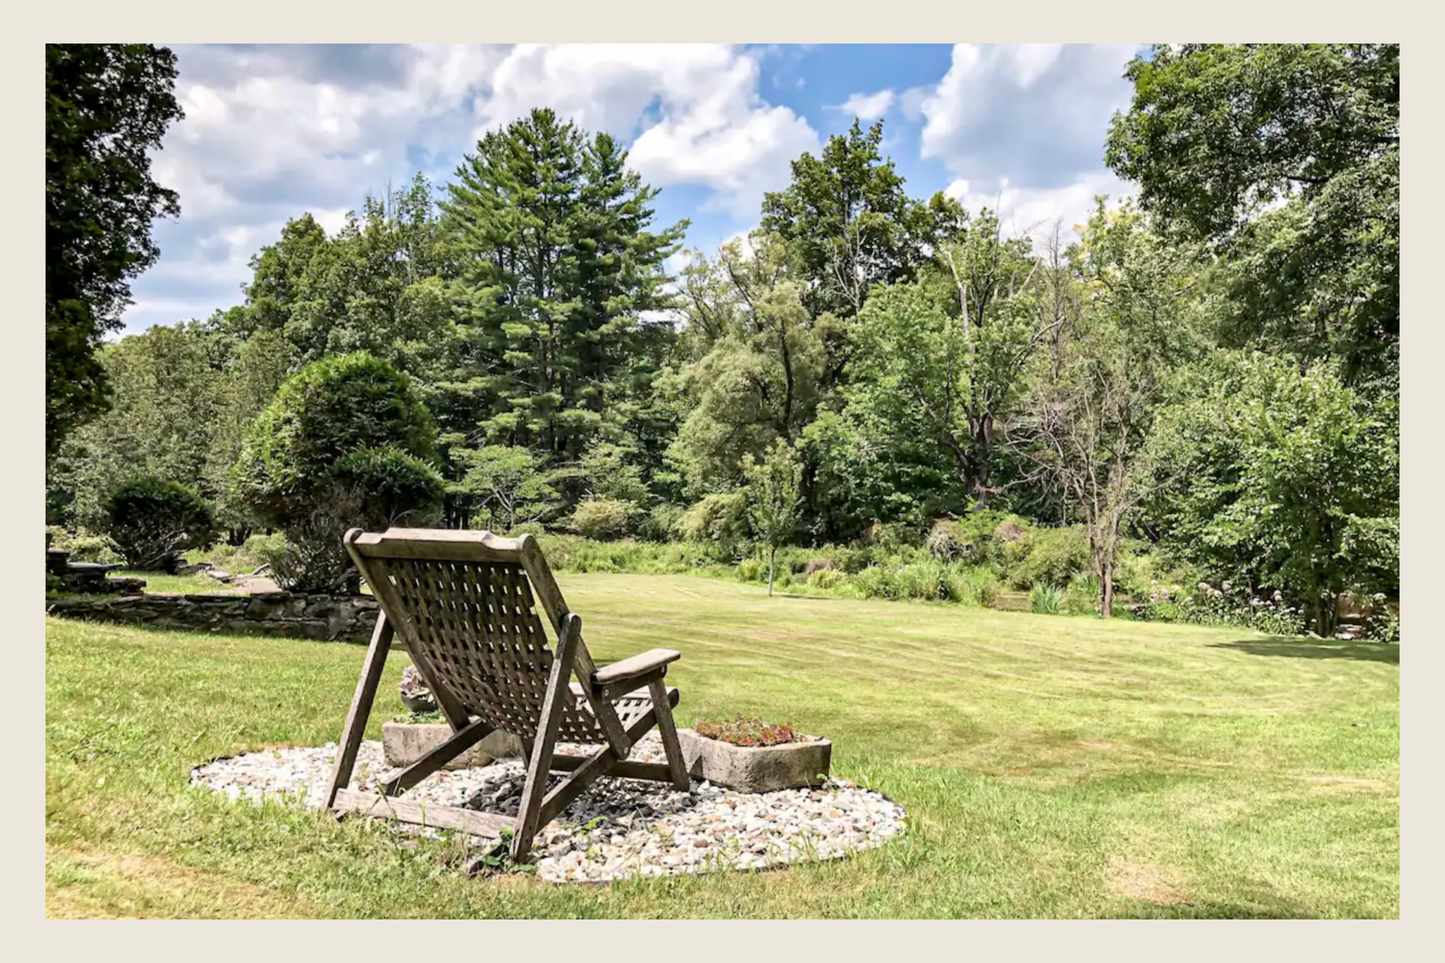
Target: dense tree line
x=1213, y=370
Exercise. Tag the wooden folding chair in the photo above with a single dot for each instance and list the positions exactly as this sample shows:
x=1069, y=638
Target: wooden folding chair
x=462, y=603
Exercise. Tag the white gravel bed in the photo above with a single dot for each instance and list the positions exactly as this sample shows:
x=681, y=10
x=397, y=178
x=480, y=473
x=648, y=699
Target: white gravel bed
x=618, y=827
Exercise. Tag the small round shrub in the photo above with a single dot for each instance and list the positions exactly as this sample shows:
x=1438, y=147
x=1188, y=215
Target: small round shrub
x=331, y=409
x=604, y=519
x=267, y=549
x=971, y=585
x=893, y=536
x=875, y=582
x=346, y=442
x=84, y=546
x=852, y=560
x=720, y=517
x=151, y=521
x=660, y=524
x=827, y=579
x=1053, y=555
x=920, y=581
x=983, y=535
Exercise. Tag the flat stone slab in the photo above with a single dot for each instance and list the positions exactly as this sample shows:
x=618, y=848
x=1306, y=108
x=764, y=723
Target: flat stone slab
x=792, y=765
x=403, y=743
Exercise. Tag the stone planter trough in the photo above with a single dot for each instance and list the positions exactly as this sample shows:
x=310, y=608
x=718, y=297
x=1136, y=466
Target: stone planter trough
x=403, y=743
x=791, y=765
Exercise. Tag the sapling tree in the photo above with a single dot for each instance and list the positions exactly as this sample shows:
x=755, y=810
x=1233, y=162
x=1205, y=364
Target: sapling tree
x=773, y=498
x=1092, y=401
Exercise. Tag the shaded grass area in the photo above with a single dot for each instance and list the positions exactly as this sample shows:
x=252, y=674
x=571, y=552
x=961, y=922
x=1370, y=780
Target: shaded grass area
x=1050, y=767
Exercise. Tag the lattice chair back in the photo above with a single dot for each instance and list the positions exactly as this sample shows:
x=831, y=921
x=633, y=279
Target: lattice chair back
x=465, y=604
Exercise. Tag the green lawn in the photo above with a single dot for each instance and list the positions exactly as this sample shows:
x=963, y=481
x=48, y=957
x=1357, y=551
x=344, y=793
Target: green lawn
x=1051, y=766
x=160, y=584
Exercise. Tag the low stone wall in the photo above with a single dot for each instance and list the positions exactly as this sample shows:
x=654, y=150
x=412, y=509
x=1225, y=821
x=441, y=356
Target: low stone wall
x=330, y=618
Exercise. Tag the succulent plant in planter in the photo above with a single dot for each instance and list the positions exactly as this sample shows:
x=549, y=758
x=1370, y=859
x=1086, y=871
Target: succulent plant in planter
x=749, y=755
x=750, y=732
x=414, y=692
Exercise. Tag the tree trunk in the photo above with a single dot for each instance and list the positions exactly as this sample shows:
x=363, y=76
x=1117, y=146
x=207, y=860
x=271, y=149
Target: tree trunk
x=772, y=554
x=1106, y=590
x=1326, y=614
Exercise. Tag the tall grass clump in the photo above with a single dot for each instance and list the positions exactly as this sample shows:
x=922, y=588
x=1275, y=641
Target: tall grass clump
x=1046, y=599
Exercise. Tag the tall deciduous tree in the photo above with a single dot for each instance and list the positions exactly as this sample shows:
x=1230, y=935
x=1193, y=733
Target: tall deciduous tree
x=1281, y=479
x=167, y=397
x=847, y=217
x=944, y=363
x=106, y=107
x=376, y=286
x=760, y=375
x=1219, y=133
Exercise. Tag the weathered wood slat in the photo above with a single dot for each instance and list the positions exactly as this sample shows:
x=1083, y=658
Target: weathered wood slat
x=541, y=759
x=488, y=825
x=630, y=685
x=644, y=663
x=670, y=745
x=425, y=543
x=653, y=771
x=361, y=700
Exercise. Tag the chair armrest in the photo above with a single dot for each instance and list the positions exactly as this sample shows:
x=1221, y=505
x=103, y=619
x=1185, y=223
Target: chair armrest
x=630, y=668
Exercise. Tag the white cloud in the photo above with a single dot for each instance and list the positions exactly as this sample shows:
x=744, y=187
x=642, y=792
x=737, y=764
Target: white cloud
x=272, y=132
x=1034, y=211
x=868, y=106
x=1031, y=112
x=1022, y=127
x=692, y=111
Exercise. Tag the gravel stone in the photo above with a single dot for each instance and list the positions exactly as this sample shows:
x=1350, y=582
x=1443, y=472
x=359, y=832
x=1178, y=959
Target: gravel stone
x=618, y=827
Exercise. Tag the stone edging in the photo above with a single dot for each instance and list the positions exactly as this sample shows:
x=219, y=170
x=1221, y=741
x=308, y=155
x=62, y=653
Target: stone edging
x=329, y=618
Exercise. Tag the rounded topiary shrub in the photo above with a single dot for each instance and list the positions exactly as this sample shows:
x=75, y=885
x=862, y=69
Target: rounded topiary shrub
x=345, y=443
x=333, y=408
x=151, y=521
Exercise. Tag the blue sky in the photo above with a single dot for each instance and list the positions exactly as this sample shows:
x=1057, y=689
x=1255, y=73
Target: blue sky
x=274, y=131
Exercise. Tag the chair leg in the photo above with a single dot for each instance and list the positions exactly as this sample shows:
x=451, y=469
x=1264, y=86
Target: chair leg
x=676, y=765
x=528, y=813
x=361, y=702
x=594, y=767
